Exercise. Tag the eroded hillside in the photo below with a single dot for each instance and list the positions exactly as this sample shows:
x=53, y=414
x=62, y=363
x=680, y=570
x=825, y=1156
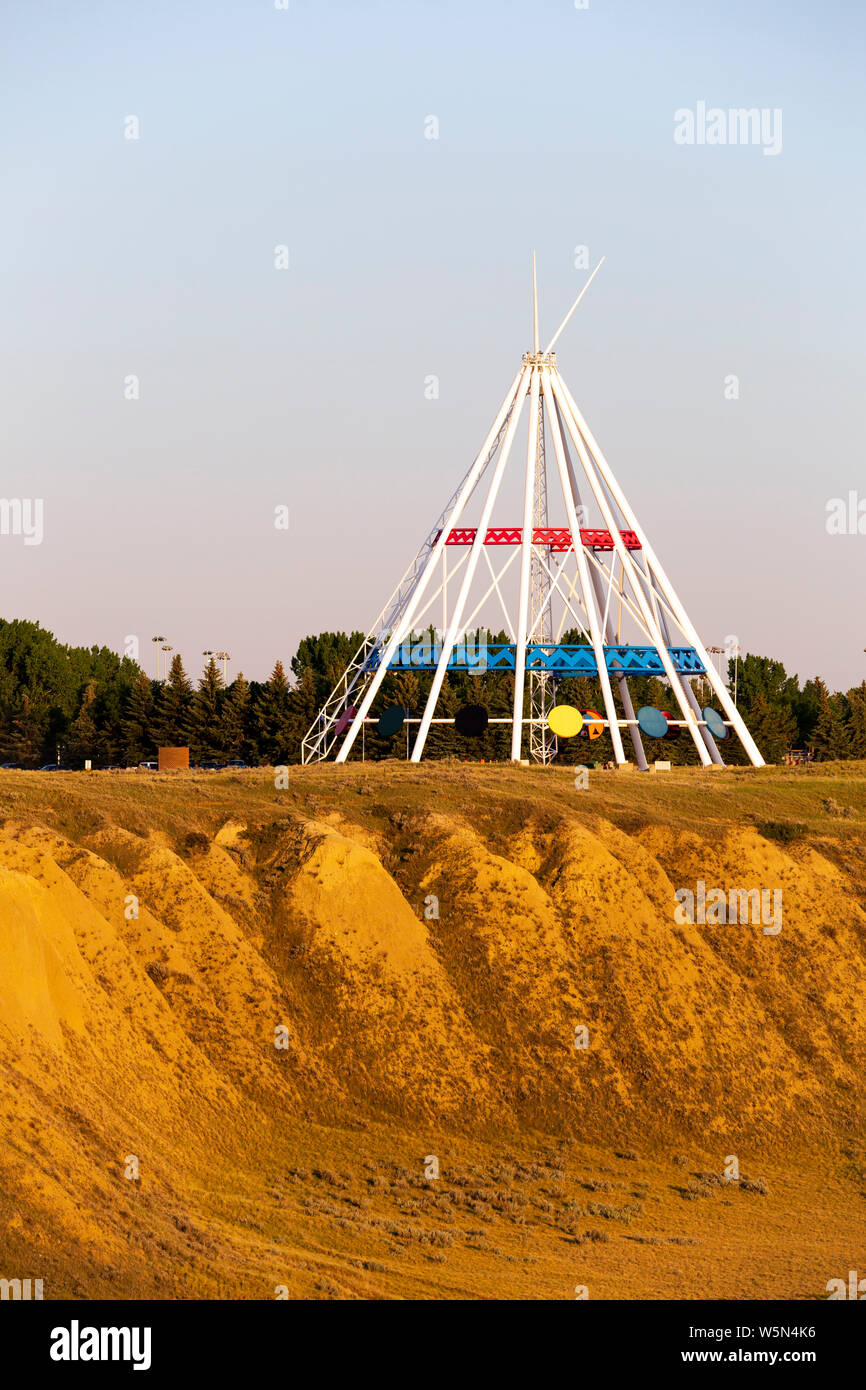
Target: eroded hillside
x=283, y=1003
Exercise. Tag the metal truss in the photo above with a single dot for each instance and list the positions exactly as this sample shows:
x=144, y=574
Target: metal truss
x=555, y=537
x=545, y=659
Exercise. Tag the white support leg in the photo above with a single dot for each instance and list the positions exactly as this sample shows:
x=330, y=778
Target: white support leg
x=475, y=553
x=627, y=565
x=610, y=636
x=684, y=680
x=666, y=587
x=525, y=564
x=582, y=569
x=444, y=586
x=429, y=568
x=622, y=683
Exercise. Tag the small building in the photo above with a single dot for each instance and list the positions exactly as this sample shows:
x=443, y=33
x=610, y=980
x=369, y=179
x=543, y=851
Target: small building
x=170, y=759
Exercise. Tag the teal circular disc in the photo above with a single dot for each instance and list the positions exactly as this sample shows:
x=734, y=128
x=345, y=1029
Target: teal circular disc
x=652, y=722
x=714, y=722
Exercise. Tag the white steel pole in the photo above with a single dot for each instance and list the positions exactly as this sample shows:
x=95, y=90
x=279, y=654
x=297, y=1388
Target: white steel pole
x=525, y=560
x=445, y=586
x=684, y=680
x=667, y=588
x=474, y=555
x=621, y=681
x=588, y=592
x=552, y=343
x=534, y=309
x=610, y=634
x=627, y=565
x=429, y=569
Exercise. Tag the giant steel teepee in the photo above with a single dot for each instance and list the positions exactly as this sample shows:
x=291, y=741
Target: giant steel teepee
x=594, y=571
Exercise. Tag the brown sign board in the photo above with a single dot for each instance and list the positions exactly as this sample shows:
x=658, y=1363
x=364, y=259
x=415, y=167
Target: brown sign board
x=170, y=759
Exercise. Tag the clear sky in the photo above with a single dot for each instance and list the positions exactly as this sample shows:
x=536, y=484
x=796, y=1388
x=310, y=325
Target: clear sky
x=409, y=257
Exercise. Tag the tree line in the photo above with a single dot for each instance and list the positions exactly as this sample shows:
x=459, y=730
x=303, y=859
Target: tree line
x=90, y=703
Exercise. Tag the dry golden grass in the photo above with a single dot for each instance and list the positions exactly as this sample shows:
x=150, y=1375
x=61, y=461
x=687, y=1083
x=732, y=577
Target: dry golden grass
x=406, y=1037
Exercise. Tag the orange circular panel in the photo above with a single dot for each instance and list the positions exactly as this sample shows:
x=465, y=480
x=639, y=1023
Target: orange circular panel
x=594, y=723
x=565, y=721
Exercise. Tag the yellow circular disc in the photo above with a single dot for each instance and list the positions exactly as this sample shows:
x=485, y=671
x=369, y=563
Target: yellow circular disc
x=565, y=721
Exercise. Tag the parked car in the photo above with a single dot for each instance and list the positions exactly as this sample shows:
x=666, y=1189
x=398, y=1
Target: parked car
x=149, y=767
x=55, y=767
x=235, y=763
x=210, y=767
x=10, y=767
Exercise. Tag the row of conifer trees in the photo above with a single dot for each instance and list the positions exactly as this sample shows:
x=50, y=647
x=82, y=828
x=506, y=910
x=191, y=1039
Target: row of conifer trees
x=89, y=703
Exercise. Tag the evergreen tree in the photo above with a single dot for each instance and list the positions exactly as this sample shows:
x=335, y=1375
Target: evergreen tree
x=137, y=725
x=772, y=727
x=831, y=740
x=28, y=733
x=84, y=740
x=857, y=721
x=274, y=718
x=173, y=720
x=235, y=721
x=806, y=708
x=303, y=707
x=327, y=656
x=206, y=740
x=444, y=740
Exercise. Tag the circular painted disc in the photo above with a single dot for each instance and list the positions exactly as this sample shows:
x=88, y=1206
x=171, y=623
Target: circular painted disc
x=715, y=723
x=345, y=720
x=471, y=721
x=594, y=723
x=390, y=721
x=652, y=722
x=673, y=729
x=565, y=721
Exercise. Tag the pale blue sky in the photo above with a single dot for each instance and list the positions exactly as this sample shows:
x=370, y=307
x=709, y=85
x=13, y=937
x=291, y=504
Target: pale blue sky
x=411, y=257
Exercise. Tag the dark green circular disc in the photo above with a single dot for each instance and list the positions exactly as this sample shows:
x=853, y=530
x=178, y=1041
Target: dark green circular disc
x=471, y=721
x=391, y=721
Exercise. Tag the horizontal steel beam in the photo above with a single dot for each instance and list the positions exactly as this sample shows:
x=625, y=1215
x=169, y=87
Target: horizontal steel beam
x=555, y=537
x=556, y=658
